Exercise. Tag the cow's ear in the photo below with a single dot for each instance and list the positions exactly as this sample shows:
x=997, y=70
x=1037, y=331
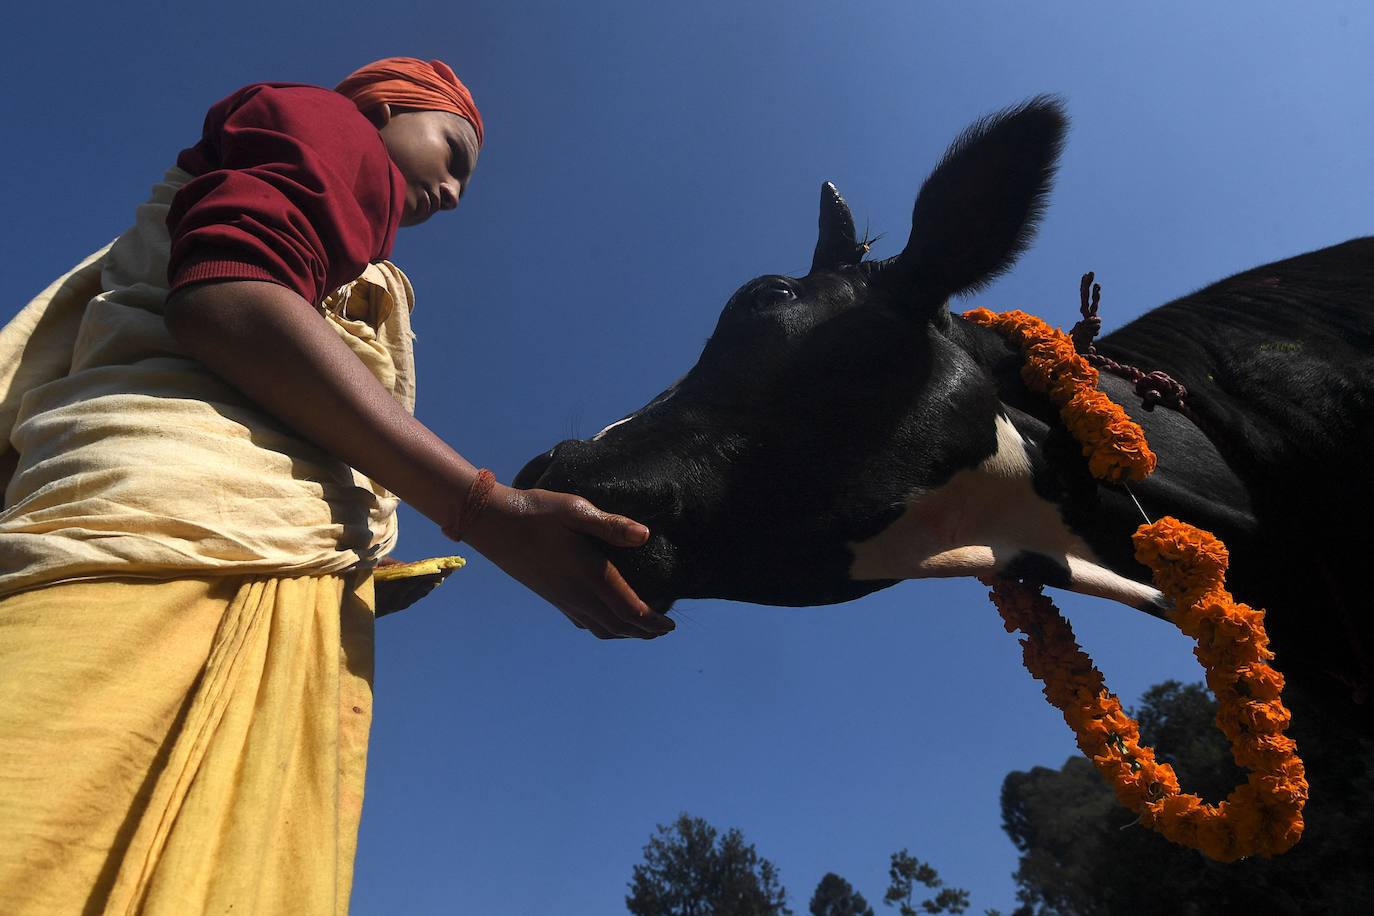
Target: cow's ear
x=836, y=245
x=978, y=210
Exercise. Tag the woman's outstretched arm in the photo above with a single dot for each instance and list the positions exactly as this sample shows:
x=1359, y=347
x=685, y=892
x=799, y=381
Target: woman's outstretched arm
x=274, y=347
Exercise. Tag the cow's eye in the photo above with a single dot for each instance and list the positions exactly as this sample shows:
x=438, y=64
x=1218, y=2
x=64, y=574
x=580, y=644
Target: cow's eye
x=774, y=291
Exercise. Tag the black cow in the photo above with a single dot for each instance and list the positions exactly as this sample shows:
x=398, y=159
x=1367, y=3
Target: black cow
x=843, y=431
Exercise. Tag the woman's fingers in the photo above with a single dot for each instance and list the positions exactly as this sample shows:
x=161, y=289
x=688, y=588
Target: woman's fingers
x=537, y=536
x=621, y=610
x=607, y=613
x=634, y=616
x=613, y=529
x=611, y=610
x=587, y=622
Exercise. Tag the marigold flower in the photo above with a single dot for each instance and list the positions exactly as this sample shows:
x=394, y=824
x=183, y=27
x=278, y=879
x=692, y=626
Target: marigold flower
x=1216, y=840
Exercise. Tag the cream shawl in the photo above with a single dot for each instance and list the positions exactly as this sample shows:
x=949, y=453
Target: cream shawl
x=131, y=459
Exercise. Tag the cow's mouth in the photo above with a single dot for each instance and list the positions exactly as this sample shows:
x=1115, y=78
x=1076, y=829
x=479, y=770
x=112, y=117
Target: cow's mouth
x=528, y=477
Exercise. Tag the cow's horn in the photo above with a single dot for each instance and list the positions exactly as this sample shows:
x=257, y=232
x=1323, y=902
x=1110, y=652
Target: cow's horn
x=836, y=247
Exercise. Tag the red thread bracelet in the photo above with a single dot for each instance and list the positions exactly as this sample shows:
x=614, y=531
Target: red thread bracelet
x=471, y=509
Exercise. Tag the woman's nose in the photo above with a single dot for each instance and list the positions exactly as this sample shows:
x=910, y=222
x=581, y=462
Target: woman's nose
x=448, y=195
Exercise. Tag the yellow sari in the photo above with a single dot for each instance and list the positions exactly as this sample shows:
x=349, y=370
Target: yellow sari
x=190, y=746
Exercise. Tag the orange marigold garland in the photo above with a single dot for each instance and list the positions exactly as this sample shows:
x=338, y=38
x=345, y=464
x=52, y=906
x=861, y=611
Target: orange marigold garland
x=1264, y=815
x=1114, y=446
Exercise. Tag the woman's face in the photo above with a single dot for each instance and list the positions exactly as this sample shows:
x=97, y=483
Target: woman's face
x=436, y=152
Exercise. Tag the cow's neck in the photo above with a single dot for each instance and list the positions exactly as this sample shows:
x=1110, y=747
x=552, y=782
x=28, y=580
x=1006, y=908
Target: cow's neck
x=990, y=520
x=1027, y=509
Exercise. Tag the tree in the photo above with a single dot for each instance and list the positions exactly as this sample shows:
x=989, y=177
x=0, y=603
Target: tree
x=1080, y=854
x=686, y=872
x=905, y=873
x=836, y=897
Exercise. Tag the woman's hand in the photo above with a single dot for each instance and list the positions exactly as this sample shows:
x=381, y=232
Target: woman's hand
x=539, y=538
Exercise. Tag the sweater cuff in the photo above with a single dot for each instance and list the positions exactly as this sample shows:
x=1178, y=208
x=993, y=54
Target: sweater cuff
x=219, y=268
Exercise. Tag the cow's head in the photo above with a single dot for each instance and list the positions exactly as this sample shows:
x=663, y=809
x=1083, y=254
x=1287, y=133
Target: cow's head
x=821, y=403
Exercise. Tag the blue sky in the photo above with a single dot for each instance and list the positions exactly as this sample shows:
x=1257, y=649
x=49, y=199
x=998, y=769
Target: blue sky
x=642, y=161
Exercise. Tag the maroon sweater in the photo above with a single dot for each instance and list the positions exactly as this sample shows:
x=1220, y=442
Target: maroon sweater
x=293, y=185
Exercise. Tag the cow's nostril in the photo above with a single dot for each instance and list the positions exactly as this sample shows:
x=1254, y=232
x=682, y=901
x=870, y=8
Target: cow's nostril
x=532, y=471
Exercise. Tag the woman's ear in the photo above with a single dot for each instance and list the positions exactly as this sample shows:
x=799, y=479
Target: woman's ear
x=379, y=115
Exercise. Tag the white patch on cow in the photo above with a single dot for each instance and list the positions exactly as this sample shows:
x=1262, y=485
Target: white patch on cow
x=979, y=521
x=598, y=436
x=671, y=390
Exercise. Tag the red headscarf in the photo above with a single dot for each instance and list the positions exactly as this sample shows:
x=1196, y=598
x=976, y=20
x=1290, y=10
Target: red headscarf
x=411, y=83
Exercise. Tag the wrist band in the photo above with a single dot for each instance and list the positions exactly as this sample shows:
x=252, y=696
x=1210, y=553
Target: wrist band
x=472, y=506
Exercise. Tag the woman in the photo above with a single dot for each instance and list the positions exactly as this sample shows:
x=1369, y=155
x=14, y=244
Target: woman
x=206, y=424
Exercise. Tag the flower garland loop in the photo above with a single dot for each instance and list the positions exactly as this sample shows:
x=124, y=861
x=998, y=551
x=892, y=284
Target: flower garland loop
x=1263, y=816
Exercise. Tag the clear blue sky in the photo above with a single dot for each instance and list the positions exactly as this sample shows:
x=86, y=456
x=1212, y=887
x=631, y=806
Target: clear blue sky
x=643, y=160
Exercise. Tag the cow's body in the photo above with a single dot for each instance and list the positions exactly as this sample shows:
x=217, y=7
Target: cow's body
x=843, y=431
x=1279, y=363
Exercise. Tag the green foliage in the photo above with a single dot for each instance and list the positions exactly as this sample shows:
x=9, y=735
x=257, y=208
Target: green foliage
x=1082, y=856
x=688, y=872
x=836, y=897
x=905, y=872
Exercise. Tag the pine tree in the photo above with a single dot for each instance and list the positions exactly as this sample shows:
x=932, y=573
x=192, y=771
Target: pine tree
x=835, y=896
x=905, y=872
x=689, y=870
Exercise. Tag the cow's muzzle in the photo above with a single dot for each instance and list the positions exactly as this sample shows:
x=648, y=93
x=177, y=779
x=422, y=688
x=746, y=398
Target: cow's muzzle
x=581, y=468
